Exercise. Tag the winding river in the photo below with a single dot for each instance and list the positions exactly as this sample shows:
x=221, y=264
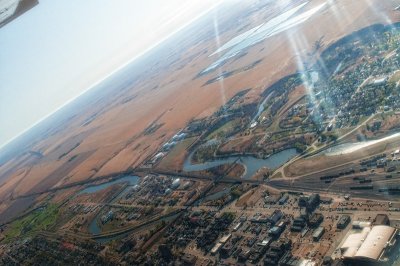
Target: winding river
x=132, y=180
x=250, y=163
x=94, y=227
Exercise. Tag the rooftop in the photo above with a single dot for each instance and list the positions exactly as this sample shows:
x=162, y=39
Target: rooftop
x=369, y=244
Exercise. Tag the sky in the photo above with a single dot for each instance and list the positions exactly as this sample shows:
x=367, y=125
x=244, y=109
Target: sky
x=61, y=48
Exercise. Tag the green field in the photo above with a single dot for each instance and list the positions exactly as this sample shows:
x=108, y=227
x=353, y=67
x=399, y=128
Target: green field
x=33, y=223
x=224, y=129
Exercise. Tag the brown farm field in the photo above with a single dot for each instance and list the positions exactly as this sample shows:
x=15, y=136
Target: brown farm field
x=106, y=134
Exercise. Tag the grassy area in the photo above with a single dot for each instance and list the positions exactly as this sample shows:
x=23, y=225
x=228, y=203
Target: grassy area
x=395, y=78
x=33, y=223
x=277, y=175
x=224, y=129
x=175, y=158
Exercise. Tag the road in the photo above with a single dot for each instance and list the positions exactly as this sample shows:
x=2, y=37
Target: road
x=281, y=169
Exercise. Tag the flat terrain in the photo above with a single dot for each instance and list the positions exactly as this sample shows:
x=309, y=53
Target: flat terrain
x=117, y=127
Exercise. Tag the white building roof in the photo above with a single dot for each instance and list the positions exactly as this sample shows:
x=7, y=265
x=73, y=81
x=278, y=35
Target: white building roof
x=225, y=238
x=368, y=244
x=353, y=242
x=176, y=183
x=379, y=81
x=361, y=224
x=216, y=248
x=376, y=242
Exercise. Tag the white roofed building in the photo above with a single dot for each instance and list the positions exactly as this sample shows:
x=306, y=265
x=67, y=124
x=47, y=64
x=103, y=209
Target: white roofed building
x=176, y=183
x=371, y=244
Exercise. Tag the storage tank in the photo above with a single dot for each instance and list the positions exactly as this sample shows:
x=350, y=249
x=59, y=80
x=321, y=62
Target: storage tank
x=176, y=183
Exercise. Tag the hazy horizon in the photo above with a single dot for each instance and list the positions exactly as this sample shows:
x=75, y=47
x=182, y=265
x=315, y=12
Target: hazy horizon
x=51, y=64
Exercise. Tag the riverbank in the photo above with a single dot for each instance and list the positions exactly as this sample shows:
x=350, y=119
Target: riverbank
x=250, y=163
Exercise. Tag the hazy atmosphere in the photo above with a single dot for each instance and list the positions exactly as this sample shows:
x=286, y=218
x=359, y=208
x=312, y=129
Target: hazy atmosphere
x=60, y=48
x=216, y=132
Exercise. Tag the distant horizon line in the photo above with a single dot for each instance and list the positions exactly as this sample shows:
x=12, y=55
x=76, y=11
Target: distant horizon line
x=101, y=80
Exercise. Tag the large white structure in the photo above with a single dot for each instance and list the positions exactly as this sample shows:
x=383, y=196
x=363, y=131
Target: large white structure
x=176, y=183
x=371, y=244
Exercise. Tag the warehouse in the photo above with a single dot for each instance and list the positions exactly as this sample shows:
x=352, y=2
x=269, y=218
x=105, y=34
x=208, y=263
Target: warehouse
x=318, y=233
x=371, y=244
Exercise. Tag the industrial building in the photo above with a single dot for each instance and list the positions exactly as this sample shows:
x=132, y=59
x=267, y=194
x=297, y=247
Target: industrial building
x=310, y=203
x=360, y=224
x=275, y=217
x=381, y=219
x=176, y=183
x=283, y=199
x=315, y=220
x=370, y=245
x=298, y=224
x=318, y=233
x=343, y=222
x=277, y=230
